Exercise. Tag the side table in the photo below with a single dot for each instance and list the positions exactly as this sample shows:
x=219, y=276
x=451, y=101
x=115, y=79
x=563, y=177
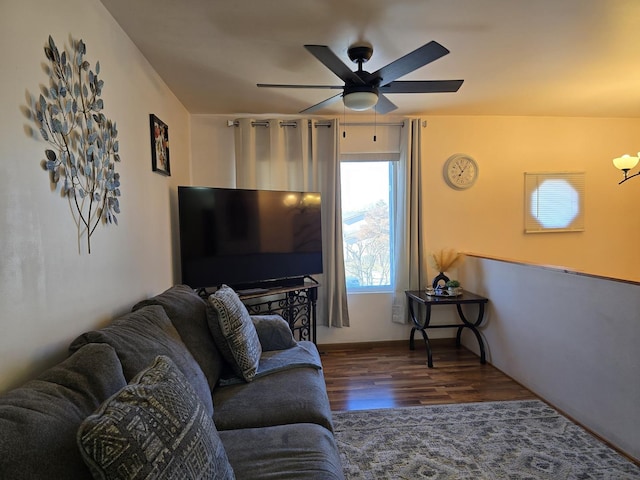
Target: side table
x=418, y=297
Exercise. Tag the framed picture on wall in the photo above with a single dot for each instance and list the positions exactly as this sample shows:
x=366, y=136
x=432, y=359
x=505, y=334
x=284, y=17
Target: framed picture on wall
x=159, y=146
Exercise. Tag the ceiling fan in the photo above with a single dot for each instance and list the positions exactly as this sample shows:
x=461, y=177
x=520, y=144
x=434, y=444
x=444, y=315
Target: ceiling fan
x=363, y=90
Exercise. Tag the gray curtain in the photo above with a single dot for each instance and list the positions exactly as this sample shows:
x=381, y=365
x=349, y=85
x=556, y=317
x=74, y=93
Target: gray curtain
x=301, y=155
x=410, y=264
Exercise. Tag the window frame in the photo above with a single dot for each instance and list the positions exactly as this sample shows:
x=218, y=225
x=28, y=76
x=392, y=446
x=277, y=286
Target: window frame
x=393, y=162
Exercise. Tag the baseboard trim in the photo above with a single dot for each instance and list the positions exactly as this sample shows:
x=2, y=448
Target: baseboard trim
x=385, y=343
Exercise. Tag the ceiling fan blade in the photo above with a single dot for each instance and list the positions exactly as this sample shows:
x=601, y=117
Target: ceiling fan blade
x=384, y=105
x=333, y=63
x=423, y=86
x=323, y=104
x=279, y=85
x=410, y=62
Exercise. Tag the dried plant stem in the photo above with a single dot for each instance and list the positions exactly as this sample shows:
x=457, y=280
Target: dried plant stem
x=443, y=260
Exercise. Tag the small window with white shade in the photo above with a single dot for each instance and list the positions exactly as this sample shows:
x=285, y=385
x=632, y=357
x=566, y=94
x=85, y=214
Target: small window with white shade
x=554, y=202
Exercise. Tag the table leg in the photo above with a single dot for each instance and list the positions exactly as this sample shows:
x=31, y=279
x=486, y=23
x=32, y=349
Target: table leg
x=472, y=327
x=412, y=316
x=426, y=342
x=312, y=296
x=428, y=346
x=422, y=329
x=459, y=335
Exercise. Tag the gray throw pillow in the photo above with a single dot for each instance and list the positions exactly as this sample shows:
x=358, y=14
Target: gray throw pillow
x=188, y=313
x=139, y=337
x=39, y=420
x=234, y=332
x=274, y=332
x=155, y=427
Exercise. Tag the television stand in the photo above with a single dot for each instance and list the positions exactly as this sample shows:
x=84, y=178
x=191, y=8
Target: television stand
x=252, y=291
x=295, y=303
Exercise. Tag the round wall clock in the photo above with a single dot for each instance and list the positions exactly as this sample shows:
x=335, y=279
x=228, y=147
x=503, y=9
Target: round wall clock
x=460, y=171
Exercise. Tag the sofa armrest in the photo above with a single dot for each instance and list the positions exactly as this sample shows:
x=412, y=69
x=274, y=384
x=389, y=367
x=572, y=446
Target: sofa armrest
x=273, y=332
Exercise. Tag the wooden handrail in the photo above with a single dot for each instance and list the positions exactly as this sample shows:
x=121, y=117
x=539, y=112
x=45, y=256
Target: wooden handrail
x=551, y=267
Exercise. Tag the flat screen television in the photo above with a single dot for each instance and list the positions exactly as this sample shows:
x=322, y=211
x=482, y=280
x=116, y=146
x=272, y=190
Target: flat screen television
x=248, y=238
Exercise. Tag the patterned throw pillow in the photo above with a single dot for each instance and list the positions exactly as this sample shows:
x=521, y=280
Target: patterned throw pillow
x=234, y=332
x=155, y=427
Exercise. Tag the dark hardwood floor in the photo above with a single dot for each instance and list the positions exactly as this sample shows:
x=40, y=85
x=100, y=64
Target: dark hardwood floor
x=364, y=376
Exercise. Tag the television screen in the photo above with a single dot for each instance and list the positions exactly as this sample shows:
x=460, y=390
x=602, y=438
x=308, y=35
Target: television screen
x=245, y=238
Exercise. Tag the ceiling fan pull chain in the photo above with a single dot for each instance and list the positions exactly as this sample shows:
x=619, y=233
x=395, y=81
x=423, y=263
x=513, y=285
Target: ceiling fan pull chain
x=375, y=124
x=344, y=121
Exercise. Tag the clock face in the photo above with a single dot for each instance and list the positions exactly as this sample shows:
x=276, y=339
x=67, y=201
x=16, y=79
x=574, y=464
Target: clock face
x=460, y=171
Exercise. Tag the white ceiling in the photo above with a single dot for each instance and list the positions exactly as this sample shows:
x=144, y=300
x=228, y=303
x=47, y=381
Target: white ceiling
x=517, y=57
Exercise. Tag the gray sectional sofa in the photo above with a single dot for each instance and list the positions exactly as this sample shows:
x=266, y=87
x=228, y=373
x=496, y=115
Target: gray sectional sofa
x=181, y=387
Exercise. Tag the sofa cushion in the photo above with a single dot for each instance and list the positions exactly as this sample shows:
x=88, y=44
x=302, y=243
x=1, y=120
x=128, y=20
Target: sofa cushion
x=155, y=427
x=139, y=337
x=297, y=395
x=234, y=332
x=39, y=420
x=188, y=314
x=283, y=452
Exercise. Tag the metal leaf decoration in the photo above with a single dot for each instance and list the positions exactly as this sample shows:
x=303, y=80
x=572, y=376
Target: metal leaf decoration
x=83, y=145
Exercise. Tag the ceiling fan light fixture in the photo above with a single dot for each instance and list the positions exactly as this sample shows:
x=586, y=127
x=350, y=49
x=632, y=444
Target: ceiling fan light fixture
x=360, y=101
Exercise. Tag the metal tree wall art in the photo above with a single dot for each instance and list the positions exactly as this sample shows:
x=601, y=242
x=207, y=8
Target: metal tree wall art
x=83, y=146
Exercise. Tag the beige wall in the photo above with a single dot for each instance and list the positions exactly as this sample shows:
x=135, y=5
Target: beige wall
x=488, y=218
x=212, y=148
x=49, y=292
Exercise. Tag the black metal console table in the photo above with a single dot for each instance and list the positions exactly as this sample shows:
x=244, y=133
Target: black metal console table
x=419, y=297
x=296, y=304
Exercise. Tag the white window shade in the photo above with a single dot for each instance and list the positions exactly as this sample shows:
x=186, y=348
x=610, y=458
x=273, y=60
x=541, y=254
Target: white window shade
x=358, y=144
x=554, y=202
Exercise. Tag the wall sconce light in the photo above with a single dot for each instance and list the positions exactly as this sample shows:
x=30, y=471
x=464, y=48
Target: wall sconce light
x=626, y=163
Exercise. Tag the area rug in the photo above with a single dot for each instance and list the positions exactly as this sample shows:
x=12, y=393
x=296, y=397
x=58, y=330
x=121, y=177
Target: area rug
x=492, y=440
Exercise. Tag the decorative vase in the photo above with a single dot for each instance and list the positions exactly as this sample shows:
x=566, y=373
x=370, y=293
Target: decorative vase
x=441, y=277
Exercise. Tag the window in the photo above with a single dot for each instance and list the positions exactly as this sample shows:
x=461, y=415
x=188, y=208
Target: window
x=554, y=202
x=366, y=206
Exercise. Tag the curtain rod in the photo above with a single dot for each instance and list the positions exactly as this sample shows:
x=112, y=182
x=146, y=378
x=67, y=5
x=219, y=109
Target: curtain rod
x=265, y=123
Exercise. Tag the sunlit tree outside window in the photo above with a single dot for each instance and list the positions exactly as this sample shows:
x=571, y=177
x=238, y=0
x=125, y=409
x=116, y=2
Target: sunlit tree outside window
x=366, y=199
